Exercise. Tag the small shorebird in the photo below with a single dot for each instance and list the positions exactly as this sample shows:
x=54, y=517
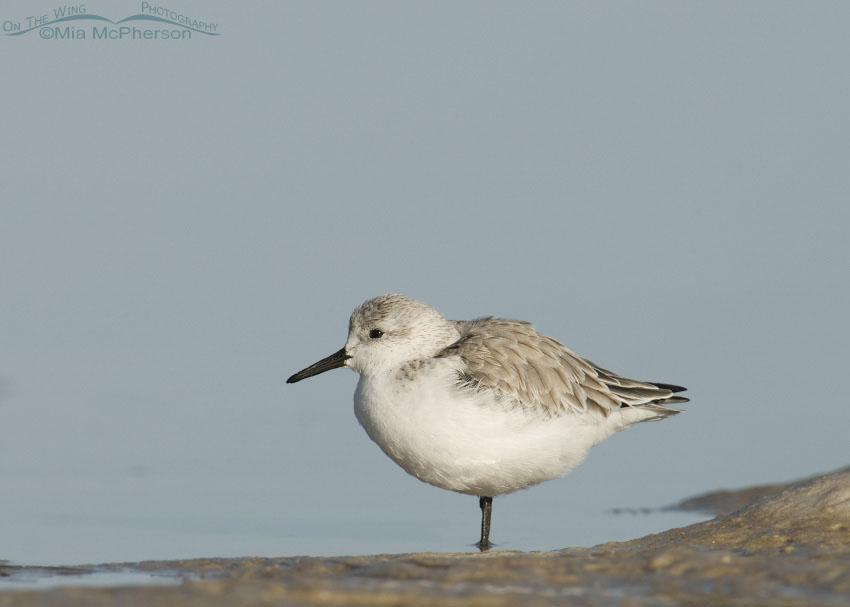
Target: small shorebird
x=482, y=407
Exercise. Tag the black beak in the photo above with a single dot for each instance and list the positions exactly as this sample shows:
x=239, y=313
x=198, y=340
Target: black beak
x=334, y=361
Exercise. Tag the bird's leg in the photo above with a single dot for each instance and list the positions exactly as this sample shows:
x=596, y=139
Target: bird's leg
x=486, y=504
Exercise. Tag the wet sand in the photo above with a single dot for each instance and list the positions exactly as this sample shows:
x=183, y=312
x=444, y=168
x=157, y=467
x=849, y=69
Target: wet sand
x=784, y=545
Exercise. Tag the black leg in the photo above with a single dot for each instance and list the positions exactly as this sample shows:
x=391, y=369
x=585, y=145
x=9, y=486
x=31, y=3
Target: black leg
x=486, y=504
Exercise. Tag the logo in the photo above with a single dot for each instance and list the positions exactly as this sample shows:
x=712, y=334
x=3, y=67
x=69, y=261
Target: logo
x=75, y=22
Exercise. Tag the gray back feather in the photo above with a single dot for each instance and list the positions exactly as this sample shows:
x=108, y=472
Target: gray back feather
x=535, y=371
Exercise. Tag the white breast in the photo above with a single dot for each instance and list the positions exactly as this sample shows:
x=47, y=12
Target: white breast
x=465, y=441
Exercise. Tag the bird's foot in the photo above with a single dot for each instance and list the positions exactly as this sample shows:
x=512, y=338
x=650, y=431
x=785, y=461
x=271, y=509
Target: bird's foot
x=484, y=546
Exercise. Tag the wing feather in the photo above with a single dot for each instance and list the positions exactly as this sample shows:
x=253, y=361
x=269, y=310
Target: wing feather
x=538, y=372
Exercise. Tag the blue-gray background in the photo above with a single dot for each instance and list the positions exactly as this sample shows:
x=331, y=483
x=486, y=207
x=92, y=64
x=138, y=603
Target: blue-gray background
x=661, y=186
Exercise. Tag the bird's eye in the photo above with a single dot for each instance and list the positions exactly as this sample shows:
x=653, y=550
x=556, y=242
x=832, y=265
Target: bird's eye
x=375, y=333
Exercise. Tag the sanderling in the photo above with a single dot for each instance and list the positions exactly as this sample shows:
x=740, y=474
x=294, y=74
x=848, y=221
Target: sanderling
x=482, y=407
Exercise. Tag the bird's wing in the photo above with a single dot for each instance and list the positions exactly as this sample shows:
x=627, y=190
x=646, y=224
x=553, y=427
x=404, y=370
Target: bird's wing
x=538, y=372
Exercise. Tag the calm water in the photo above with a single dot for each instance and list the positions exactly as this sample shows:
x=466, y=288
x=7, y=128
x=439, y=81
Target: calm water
x=46, y=579
x=118, y=518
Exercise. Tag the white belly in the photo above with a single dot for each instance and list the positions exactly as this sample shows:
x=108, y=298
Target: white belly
x=458, y=440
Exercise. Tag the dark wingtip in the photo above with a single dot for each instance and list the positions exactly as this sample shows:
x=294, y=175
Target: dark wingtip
x=671, y=387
